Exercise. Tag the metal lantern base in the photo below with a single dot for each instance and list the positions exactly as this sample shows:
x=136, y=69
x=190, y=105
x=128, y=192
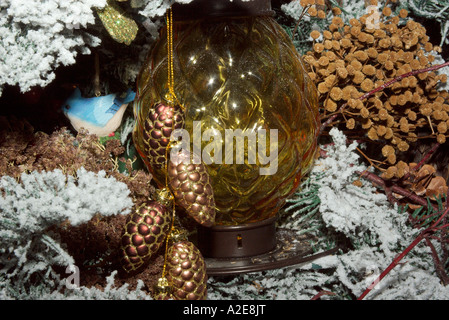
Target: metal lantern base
x=230, y=250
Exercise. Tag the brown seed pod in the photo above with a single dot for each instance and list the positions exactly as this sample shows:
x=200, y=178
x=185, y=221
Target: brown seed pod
x=322, y=88
x=186, y=272
x=190, y=183
x=144, y=233
x=336, y=94
x=350, y=124
x=331, y=106
x=315, y=34
x=161, y=121
x=366, y=59
x=342, y=72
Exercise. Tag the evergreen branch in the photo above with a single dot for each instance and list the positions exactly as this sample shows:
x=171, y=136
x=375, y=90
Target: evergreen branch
x=424, y=234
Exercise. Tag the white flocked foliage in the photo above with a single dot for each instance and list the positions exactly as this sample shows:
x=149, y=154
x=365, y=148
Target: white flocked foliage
x=29, y=208
x=38, y=36
x=157, y=8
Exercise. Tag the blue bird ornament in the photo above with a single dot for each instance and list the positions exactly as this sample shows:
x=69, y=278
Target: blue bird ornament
x=98, y=115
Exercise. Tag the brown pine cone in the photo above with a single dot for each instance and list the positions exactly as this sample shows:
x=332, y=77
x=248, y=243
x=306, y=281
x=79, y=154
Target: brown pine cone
x=145, y=232
x=192, y=189
x=186, y=272
x=162, y=120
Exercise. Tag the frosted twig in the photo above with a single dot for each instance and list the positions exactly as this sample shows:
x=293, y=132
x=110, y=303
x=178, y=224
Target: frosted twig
x=304, y=11
x=425, y=233
x=437, y=262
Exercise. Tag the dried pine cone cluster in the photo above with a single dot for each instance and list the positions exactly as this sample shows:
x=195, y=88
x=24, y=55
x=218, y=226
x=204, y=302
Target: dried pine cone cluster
x=354, y=59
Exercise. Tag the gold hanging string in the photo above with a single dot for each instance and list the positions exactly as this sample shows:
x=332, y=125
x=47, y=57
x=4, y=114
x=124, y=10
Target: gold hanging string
x=172, y=99
x=171, y=96
x=163, y=283
x=167, y=241
x=170, y=80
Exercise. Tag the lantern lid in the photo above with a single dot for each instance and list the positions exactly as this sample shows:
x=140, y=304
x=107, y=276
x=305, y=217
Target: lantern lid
x=198, y=9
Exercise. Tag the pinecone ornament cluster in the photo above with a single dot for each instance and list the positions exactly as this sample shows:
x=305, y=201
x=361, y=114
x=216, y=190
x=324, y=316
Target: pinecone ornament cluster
x=184, y=273
x=189, y=185
x=188, y=178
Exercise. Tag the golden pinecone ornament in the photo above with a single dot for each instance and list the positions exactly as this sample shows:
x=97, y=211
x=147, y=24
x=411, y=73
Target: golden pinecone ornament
x=122, y=28
x=145, y=232
x=190, y=183
x=186, y=272
x=161, y=121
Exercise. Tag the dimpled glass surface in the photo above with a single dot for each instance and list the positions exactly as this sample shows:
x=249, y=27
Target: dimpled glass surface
x=238, y=73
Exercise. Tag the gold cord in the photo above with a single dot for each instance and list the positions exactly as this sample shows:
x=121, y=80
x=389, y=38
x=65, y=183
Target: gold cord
x=170, y=80
x=173, y=99
x=173, y=210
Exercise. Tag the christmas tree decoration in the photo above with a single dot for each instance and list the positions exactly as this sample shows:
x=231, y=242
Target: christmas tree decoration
x=250, y=116
x=153, y=132
x=237, y=75
x=191, y=187
x=223, y=105
x=98, y=115
x=162, y=120
x=186, y=272
x=145, y=232
x=162, y=290
x=190, y=183
x=122, y=28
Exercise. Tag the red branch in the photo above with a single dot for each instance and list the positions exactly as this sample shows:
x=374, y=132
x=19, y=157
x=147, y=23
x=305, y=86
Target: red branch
x=322, y=293
x=382, y=87
x=395, y=262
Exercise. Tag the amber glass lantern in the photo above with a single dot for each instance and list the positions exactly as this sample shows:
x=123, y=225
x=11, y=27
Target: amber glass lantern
x=236, y=72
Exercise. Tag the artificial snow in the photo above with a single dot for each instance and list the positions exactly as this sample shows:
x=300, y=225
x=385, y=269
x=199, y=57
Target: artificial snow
x=41, y=200
x=32, y=47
